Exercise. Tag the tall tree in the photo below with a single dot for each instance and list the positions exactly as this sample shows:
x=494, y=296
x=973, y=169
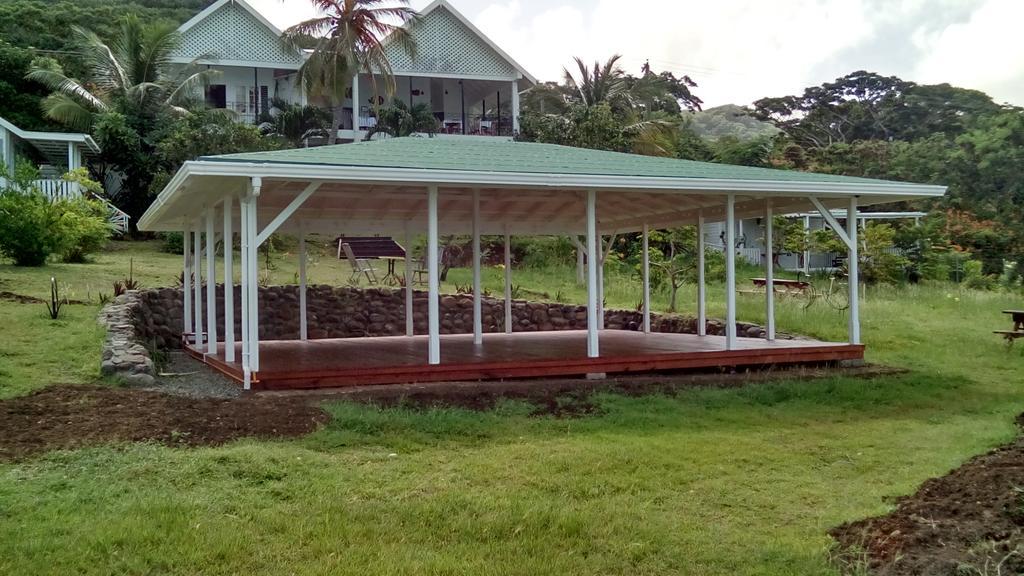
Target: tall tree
x=131, y=88
x=351, y=36
x=131, y=74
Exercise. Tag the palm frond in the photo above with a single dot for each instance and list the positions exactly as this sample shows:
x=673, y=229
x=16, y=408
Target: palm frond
x=66, y=110
x=61, y=84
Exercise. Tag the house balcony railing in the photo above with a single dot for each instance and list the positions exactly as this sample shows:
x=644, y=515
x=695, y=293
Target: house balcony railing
x=243, y=112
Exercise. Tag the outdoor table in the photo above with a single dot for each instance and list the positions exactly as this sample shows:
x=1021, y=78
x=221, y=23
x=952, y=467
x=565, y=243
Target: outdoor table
x=391, y=278
x=782, y=285
x=1018, y=319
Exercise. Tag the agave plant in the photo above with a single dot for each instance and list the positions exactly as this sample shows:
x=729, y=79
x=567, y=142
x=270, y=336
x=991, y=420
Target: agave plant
x=133, y=72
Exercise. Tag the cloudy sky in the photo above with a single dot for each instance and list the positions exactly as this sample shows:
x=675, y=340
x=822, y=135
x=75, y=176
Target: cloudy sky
x=740, y=50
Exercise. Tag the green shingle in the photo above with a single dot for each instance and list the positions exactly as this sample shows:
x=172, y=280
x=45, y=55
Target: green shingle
x=485, y=154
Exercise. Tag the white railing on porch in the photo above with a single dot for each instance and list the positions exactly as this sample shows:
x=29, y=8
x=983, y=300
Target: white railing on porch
x=58, y=189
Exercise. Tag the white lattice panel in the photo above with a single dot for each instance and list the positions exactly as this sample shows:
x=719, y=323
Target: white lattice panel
x=232, y=33
x=446, y=45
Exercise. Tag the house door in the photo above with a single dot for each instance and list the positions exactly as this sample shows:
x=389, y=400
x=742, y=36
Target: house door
x=217, y=96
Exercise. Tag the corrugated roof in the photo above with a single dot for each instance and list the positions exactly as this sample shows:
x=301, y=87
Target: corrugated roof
x=486, y=154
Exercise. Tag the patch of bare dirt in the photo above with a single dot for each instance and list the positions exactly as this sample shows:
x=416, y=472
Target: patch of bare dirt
x=23, y=299
x=62, y=417
x=970, y=521
x=19, y=298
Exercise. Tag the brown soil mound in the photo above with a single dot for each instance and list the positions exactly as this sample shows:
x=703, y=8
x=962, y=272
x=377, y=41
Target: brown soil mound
x=20, y=299
x=73, y=416
x=970, y=521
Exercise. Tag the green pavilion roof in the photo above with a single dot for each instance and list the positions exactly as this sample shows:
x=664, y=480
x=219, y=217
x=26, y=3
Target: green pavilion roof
x=486, y=154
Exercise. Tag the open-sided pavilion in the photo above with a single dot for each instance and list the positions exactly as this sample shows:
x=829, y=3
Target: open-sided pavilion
x=478, y=186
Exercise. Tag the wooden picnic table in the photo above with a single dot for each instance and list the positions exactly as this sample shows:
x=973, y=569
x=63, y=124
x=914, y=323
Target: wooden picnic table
x=1017, y=316
x=782, y=285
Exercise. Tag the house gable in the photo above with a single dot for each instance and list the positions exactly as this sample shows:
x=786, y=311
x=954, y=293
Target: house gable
x=231, y=32
x=448, y=44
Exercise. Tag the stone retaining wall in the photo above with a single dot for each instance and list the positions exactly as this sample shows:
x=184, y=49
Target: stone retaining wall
x=352, y=312
x=124, y=352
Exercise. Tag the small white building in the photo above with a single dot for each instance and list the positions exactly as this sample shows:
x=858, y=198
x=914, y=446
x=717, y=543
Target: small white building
x=55, y=154
x=750, y=238
x=471, y=85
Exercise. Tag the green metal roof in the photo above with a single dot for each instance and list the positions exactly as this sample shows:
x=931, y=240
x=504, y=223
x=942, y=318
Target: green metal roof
x=487, y=154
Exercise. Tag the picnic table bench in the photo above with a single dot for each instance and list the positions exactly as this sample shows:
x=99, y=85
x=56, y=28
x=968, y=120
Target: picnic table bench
x=372, y=248
x=1018, y=326
x=782, y=286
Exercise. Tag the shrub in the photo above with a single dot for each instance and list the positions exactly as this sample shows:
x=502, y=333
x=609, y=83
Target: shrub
x=32, y=227
x=83, y=228
x=28, y=225
x=174, y=243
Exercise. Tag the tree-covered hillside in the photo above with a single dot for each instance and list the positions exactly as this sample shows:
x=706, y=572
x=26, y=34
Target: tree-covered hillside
x=44, y=24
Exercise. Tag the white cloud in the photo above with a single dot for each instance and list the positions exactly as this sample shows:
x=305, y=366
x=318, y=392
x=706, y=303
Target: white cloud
x=740, y=50
x=985, y=52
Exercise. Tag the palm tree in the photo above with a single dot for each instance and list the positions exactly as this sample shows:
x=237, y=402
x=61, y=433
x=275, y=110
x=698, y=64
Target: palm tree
x=605, y=83
x=131, y=74
x=295, y=123
x=401, y=120
x=351, y=36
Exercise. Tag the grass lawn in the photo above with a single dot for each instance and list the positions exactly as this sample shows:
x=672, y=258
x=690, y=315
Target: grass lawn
x=740, y=481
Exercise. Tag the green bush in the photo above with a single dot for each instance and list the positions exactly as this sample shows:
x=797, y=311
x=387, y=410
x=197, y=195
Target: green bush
x=32, y=227
x=174, y=242
x=28, y=224
x=83, y=228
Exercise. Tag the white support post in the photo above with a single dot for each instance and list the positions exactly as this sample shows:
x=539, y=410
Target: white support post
x=508, y=282
x=197, y=284
x=769, y=271
x=647, y=281
x=730, y=272
x=356, y=105
x=243, y=210
x=303, y=324
x=433, y=298
x=186, y=278
x=478, y=329
x=254, y=286
x=581, y=260
x=702, y=310
x=600, y=281
x=73, y=161
x=593, y=350
x=410, y=327
x=229, y=282
x=515, y=107
x=854, y=273
x=211, y=285
x=807, y=253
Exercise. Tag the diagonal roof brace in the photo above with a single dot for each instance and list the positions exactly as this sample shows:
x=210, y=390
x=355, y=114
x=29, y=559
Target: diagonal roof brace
x=832, y=222
x=281, y=218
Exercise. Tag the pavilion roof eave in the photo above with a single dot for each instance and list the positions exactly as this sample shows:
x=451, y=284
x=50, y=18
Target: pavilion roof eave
x=193, y=173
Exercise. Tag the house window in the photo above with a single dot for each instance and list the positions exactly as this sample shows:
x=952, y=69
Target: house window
x=217, y=96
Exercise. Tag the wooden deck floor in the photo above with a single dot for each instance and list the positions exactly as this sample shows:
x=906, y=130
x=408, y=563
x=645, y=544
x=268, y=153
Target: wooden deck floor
x=400, y=359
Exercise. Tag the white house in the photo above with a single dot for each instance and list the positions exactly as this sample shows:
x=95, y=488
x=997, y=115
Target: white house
x=471, y=85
